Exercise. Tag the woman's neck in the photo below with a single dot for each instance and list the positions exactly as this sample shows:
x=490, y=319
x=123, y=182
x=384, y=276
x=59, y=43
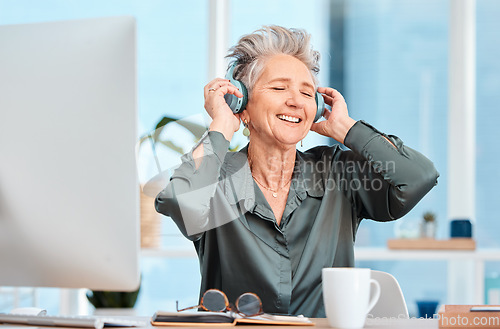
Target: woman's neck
x=271, y=166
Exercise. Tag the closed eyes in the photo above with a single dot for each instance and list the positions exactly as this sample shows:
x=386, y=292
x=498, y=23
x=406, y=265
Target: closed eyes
x=305, y=93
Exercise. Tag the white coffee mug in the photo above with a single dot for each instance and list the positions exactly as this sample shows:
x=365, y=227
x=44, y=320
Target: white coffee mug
x=346, y=294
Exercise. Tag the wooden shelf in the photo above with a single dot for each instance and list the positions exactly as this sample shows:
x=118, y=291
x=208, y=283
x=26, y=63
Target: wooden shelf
x=432, y=244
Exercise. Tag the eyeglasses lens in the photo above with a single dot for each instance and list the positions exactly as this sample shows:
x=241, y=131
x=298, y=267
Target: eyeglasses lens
x=214, y=301
x=249, y=304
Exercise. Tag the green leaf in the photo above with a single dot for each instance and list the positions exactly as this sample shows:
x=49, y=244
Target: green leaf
x=160, y=125
x=154, y=137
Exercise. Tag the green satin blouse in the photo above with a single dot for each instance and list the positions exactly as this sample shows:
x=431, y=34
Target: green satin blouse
x=241, y=247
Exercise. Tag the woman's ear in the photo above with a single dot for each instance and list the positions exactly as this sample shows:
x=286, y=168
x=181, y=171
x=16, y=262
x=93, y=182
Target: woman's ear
x=243, y=116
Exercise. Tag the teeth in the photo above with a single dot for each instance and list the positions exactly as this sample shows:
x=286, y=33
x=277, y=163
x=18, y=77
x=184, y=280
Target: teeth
x=288, y=118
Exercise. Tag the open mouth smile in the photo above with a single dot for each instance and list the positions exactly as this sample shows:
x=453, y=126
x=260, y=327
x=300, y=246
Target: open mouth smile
x=288, y=118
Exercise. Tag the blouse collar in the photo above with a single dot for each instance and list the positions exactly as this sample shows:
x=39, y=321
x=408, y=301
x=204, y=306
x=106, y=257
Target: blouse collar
x=239, y=183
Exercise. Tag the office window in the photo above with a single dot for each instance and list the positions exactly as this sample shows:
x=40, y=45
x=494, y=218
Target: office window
x=395, y=77
x=488, y=135
x=487, y=116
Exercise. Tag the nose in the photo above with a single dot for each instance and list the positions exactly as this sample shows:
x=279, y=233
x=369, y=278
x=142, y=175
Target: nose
x=295, y=99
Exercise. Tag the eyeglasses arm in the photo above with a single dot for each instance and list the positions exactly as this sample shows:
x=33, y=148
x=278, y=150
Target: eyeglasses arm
x=185, y=309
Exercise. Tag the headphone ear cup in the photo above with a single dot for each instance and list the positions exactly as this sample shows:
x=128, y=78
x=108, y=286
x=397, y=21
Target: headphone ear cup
x=236, y=104
x=320, y=106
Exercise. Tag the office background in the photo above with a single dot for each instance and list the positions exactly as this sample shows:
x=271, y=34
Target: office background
x=388, y=57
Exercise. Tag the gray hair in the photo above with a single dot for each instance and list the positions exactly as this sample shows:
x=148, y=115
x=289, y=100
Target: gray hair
x=253, y=49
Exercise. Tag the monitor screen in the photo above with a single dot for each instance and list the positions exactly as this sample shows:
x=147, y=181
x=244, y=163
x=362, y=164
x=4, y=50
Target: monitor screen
x=68, y=182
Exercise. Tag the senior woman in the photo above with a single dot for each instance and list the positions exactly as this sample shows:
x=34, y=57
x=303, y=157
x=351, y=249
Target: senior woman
x=268, y=218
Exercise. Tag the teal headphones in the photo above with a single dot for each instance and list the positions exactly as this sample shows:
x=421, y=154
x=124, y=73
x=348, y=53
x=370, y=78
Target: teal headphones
x=237, y=104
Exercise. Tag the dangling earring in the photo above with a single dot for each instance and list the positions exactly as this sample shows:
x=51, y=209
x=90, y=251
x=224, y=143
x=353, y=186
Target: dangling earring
x=246, y=131
x=301, y=143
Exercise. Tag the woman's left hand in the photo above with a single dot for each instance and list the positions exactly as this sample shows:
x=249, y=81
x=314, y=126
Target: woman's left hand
x=338, y=122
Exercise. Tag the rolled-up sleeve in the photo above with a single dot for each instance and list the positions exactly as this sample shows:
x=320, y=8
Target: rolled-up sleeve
x=188, y=196
x=392, y=177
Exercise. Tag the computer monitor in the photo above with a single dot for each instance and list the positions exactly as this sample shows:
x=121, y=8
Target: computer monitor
x=68, y=182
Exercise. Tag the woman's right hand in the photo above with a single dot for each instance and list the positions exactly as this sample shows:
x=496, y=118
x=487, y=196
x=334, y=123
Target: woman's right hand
x=223, y=119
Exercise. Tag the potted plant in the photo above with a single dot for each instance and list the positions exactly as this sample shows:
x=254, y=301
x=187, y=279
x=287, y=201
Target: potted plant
x=428, y=226
x=155, y=137
x=150, y=219
x=113, y=302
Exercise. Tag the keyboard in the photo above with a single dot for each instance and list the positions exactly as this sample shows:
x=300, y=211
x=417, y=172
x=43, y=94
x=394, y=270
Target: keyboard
x=96, y=322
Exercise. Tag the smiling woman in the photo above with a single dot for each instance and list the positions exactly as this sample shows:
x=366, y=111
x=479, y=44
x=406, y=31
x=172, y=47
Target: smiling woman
x=268, y=218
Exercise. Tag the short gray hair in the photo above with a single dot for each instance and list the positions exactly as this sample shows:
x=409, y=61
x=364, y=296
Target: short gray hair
x=253, y=49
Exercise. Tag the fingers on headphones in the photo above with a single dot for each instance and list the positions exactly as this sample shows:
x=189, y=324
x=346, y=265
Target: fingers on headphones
x=214, y=85
x=328, y=99
x=238, y=92
x=327, y=112
x=331, y=95
x=221, y=87
x=229, y=89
